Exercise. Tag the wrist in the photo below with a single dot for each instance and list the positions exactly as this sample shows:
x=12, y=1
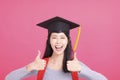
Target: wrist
x=29, y=68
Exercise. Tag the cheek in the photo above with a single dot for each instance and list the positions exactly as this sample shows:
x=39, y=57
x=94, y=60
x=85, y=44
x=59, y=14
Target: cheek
x=65, y=42
x=52, y=43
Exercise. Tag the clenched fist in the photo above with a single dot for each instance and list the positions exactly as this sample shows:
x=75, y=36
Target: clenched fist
x=73, y=65
x=37, y=64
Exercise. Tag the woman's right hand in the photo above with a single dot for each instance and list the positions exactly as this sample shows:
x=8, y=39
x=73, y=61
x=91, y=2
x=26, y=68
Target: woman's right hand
x=37, y=64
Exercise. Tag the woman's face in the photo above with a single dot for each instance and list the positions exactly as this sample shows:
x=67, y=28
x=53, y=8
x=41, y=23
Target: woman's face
x=58, y=42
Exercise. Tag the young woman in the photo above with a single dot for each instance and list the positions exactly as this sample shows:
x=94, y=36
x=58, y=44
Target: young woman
x=59, y=61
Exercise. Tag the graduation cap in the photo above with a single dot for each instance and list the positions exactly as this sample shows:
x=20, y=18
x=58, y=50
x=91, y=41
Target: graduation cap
x=58, y=24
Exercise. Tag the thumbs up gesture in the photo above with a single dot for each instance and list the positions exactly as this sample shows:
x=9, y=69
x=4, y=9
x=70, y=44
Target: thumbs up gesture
x=37, y=64
x=73, y=65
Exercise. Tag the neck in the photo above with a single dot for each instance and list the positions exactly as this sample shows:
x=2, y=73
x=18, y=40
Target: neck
x=57, y=57
x=56, y=61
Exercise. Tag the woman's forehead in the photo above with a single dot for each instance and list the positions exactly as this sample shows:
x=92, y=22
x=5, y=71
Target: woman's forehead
x=58, y=34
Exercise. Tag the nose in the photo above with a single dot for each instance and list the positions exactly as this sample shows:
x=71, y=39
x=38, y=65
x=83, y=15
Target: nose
x=58, y=41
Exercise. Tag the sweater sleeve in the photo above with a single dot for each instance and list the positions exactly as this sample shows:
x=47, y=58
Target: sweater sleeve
x=89, y=74
x=20, y=74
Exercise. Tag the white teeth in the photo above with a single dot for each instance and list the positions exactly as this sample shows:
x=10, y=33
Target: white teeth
x=58, y=46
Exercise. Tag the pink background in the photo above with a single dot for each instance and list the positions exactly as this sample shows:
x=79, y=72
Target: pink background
x=99, y=44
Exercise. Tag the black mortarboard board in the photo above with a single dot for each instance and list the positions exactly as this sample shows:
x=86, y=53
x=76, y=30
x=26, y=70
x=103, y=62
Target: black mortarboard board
x=58, y=24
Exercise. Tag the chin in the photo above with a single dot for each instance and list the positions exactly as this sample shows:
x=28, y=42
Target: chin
x=59, y=52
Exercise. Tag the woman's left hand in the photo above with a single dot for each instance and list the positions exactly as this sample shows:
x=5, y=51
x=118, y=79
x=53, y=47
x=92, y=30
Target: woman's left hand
x=73, y=65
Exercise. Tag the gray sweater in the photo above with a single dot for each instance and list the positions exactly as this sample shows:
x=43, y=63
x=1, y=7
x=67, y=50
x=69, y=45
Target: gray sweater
x=50, y=74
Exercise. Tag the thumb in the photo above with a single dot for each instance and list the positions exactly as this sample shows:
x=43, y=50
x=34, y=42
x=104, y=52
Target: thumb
x=75, y=57
x=38, y=55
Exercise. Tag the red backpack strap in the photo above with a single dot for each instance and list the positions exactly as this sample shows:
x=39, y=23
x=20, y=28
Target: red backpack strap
x=41, y=72
x=74, y=75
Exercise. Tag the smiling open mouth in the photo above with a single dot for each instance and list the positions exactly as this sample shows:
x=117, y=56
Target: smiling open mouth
x=58, y=48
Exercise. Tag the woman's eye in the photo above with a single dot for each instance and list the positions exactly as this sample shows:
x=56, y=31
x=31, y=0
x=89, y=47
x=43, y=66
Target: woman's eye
x=53, y=37
x=62, y=37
